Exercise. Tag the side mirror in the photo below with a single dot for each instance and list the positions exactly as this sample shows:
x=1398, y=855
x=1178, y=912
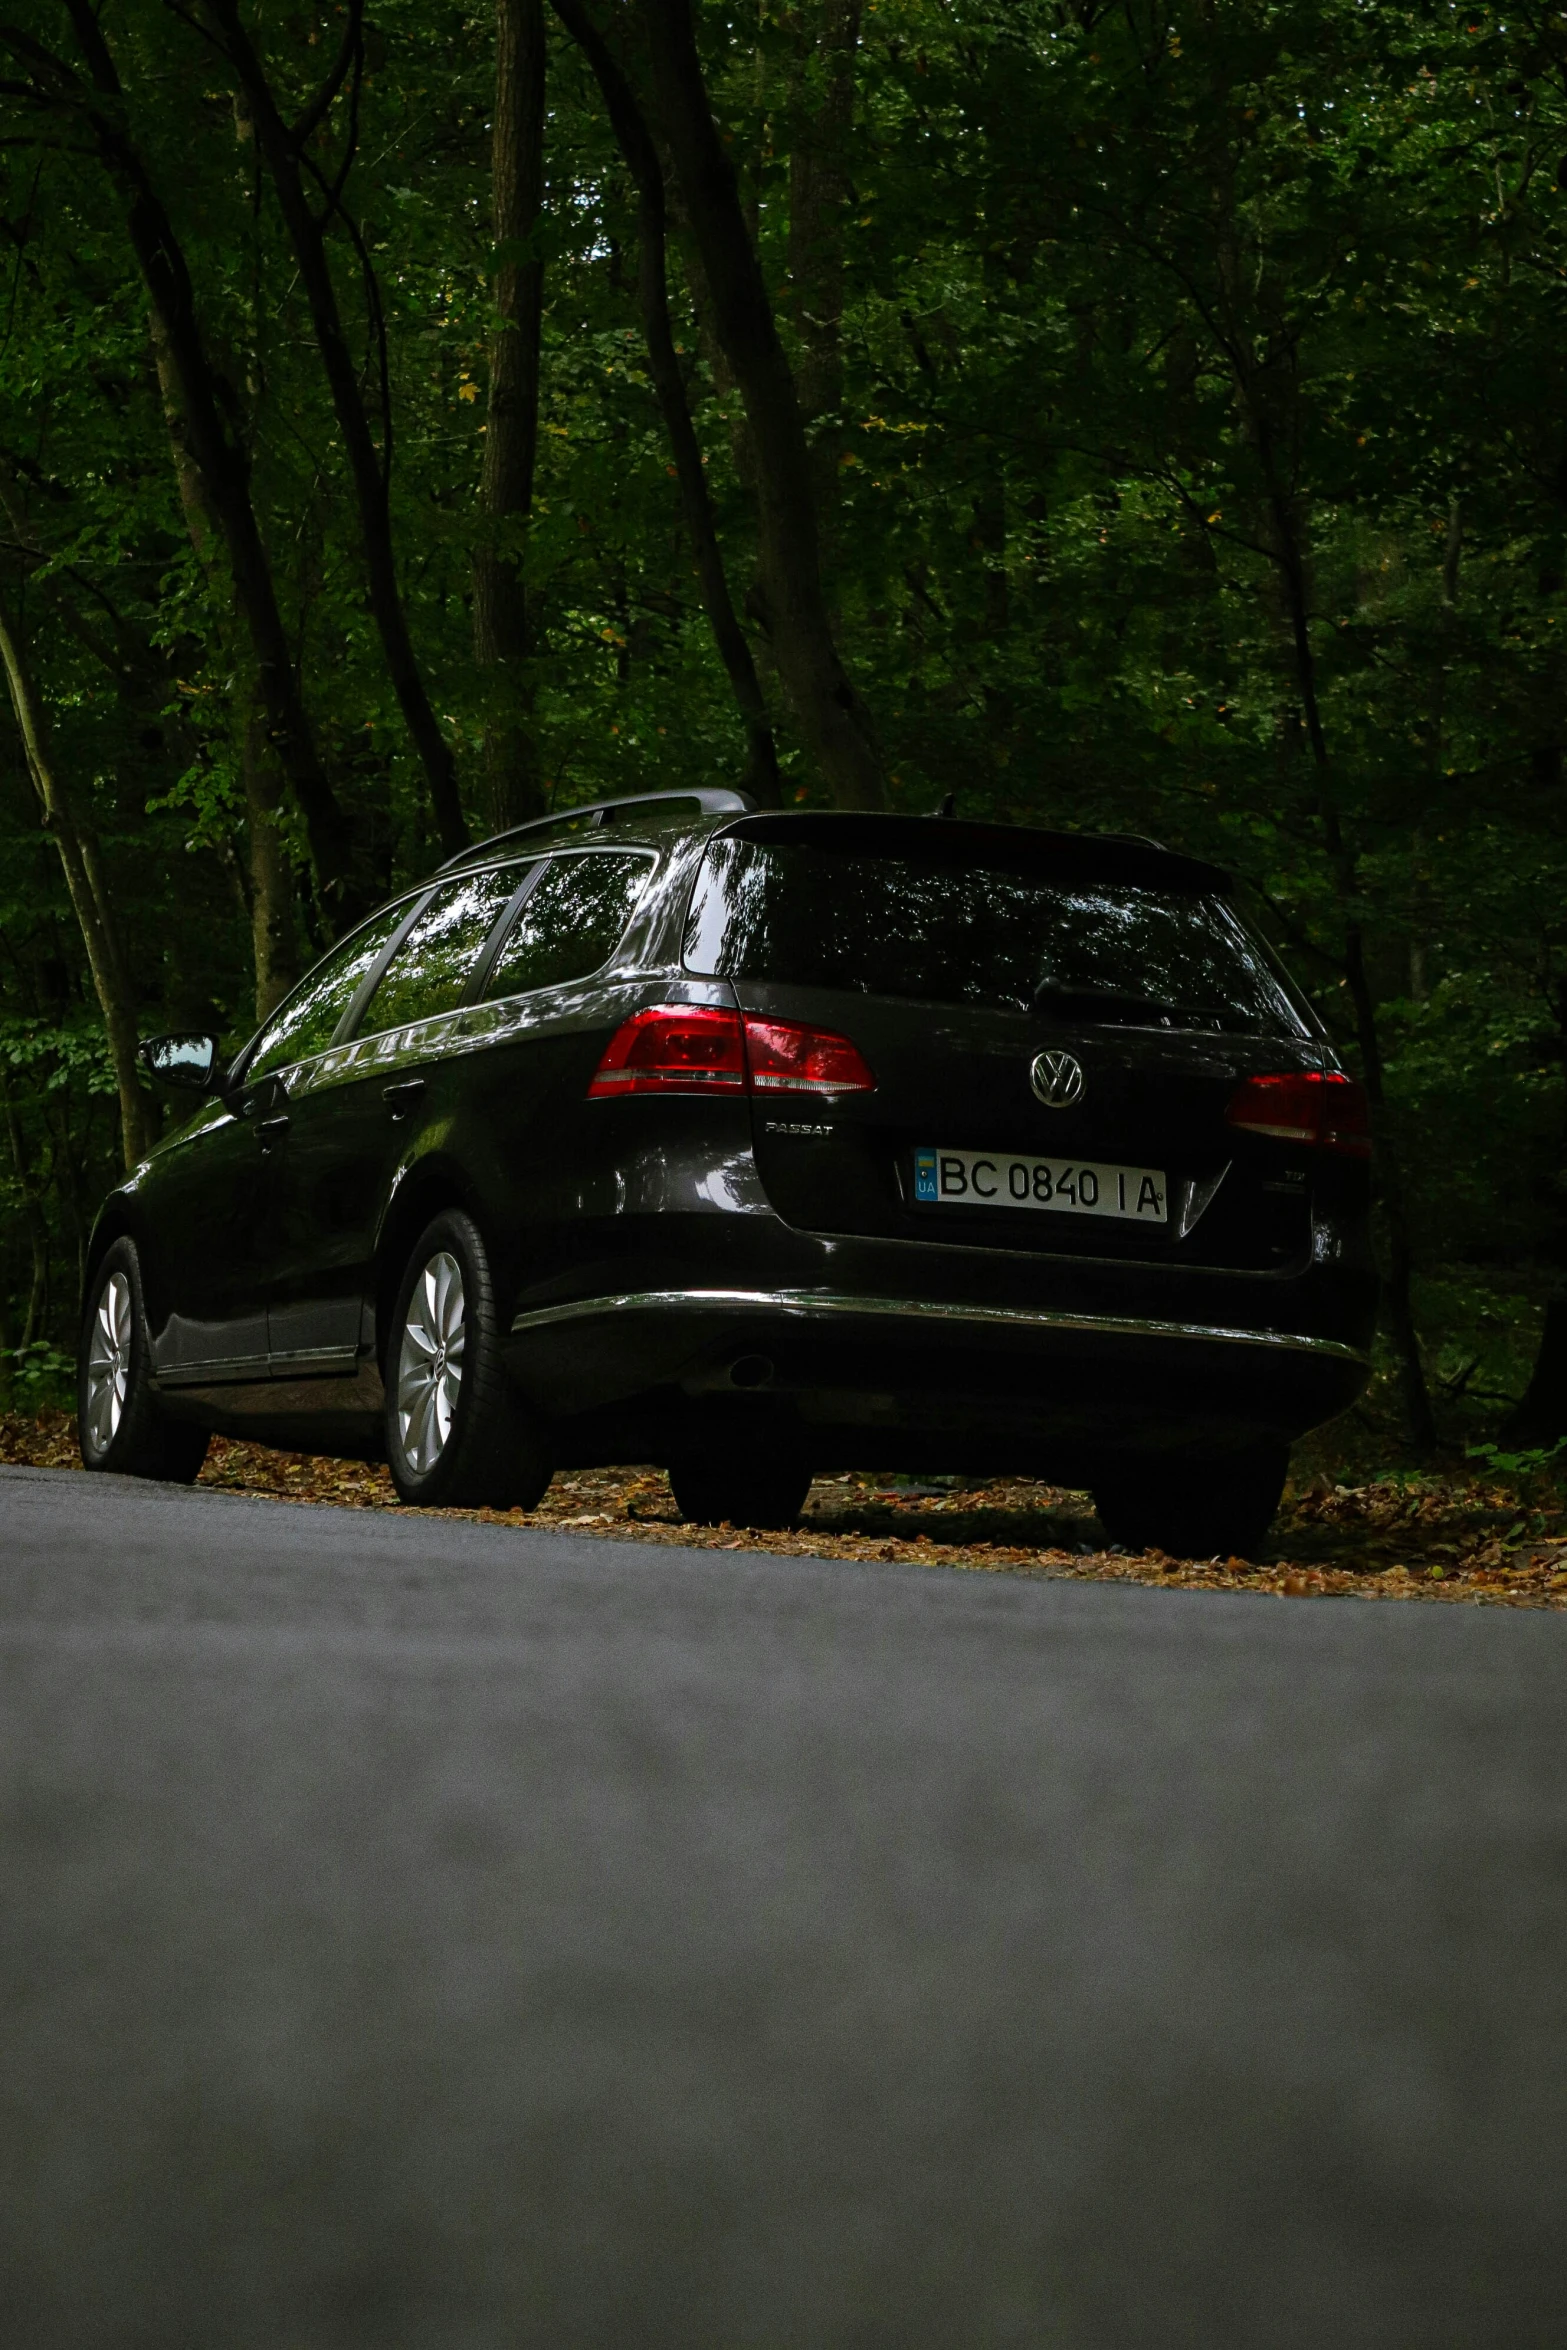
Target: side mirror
x=190, y=1062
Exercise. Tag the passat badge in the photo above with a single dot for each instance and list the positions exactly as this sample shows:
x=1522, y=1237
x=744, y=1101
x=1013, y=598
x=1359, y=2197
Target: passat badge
x=1057, y=1078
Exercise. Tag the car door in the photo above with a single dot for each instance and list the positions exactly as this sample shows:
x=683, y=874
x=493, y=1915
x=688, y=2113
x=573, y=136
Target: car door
x=206, y=1204
x=356, y=1110
x=210, y=1199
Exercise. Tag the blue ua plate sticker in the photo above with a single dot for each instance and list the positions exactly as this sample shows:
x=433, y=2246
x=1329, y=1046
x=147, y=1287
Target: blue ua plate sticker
x=925, y=1186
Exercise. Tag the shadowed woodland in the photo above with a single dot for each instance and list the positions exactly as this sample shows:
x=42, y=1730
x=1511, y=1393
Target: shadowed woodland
x=1148, y=418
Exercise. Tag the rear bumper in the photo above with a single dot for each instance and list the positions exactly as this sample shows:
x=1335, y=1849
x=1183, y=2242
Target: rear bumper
x=860, y=1376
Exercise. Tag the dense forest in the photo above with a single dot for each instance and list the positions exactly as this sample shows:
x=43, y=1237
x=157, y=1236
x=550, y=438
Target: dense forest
x=1147, y=417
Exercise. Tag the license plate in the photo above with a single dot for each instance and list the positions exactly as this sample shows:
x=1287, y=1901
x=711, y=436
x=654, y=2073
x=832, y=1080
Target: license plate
x=1072, y=1187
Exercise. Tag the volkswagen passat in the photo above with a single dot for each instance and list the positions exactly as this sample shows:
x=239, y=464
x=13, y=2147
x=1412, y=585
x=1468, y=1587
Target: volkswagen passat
x=758, y=1146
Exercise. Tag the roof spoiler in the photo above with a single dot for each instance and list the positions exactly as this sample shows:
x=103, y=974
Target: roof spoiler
x=711, y=799
x=947, y=807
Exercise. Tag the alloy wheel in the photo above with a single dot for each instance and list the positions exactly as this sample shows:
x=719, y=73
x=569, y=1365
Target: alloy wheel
x=109, y=1361
x=429, y=1364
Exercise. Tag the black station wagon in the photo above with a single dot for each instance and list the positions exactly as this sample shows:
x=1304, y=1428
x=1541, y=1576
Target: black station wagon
x=758, y=1146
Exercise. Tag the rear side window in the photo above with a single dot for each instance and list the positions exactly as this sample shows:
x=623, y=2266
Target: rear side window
x=431, y=968
x=943, y=932
x=571, y=923
x=304, y=1023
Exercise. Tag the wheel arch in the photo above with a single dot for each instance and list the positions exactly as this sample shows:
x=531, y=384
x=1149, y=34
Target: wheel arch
x=115, y=1221
x=426, y=1187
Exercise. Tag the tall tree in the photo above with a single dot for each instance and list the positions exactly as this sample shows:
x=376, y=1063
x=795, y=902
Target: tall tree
x=270, y=906
x=820, y=190
x=99, y=104
x=502, y=619
x=286, y=147
x=641, y=154
x=85, y=881
x=828, y=708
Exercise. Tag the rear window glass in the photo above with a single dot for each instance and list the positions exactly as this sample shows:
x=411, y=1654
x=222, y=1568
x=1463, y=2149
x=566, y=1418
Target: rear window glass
x=1123, y=952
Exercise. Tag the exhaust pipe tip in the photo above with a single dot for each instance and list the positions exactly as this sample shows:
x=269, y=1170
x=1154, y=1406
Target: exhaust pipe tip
x=751, y=1371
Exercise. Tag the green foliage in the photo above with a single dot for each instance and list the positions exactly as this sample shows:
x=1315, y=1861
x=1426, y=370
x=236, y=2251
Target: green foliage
x=37, y=1377
x=1130, y=300
x=1522, y=1465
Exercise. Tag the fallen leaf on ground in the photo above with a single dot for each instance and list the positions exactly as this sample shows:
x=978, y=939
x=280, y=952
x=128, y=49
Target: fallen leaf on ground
x=1450, y=1541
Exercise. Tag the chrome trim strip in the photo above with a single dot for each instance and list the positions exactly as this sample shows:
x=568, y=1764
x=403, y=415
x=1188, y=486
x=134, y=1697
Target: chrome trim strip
x=805, y=1304
x=329, y=1360
x=218, y=1371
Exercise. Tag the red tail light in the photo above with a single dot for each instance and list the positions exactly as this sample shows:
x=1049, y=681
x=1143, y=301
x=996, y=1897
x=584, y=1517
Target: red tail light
x=1318, y=1107
x=674, y=1048
x=701, y=1048
x=788, y=1057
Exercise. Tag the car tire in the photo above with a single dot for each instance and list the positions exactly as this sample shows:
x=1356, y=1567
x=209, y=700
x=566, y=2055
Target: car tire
x=458, y=1435
x=1194, y=1508
x=120, y=1426
x=767, y=1496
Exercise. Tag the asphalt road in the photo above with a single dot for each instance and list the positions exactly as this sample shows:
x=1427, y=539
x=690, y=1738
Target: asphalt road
x=417, y=1934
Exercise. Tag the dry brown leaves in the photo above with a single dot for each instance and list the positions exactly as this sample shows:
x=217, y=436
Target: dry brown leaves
x=1454, y=1538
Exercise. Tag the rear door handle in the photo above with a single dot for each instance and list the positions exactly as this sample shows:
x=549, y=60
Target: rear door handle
x=269, y=1130
x=400, y=1099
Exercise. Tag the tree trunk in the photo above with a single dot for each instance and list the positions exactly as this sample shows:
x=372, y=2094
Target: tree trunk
x=37, y=1222
x=272, y=933
x=221, y=463
x=833, y=719
x=502, y=622
x=820, y=191
x=65, y=1174
x=1397, y=1299
x=989, y=540
x=636, y=145
x=270, y=899
x=1540, y=1417
x=1286, y=543
x=369, y=469
x=88, y=892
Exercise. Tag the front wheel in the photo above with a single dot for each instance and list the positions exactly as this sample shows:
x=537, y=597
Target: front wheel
x=458, y=1435
x=120, y=1427
x=1194, y=1508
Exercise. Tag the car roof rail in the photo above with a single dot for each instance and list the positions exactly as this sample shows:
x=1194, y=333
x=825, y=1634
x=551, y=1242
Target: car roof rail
x=711, y=798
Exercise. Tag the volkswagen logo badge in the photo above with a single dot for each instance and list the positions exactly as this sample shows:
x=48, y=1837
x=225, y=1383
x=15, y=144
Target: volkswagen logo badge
x=1057, y=1078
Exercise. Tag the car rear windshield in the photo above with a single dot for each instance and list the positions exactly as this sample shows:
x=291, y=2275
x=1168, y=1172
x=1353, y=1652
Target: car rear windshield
x=808, y=915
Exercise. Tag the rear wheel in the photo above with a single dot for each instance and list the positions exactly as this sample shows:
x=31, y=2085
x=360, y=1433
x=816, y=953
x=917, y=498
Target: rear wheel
x=1194, y=1508
x=768, y=1495
x=119, y=1424
x=457, y=1432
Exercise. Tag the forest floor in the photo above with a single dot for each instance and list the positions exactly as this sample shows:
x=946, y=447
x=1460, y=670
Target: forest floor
x=1437, y=1537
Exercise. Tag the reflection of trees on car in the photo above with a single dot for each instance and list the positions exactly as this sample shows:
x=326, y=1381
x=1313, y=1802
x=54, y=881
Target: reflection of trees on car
x=743, y=1142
